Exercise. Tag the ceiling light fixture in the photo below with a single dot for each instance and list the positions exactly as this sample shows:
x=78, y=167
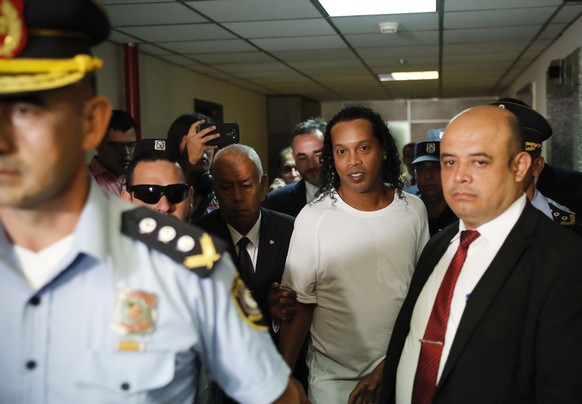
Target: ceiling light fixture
x=341, y=8
x=402, y=76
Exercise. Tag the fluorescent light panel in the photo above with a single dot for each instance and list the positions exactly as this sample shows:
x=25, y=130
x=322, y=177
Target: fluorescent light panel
x=342, y=8
x=402, y=76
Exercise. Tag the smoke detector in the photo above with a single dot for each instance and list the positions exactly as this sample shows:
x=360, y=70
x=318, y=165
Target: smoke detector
x=388, y=27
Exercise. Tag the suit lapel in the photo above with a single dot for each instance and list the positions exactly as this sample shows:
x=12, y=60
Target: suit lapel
x=301, y=199
x=268, y=245
x=491, y=283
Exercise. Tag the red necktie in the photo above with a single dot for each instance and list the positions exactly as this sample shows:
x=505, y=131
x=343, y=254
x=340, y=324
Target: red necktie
x=436, y=328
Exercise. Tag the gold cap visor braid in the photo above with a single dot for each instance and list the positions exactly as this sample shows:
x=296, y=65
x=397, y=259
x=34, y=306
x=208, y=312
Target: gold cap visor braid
x=26, y=75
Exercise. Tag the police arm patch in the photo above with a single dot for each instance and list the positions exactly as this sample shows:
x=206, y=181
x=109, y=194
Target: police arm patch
x=246, y=305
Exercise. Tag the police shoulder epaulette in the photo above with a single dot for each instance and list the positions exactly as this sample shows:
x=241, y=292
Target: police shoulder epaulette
x=562, y=216
x=184, y=243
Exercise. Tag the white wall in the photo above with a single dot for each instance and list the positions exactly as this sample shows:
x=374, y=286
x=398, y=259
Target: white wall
x=536, y=73
x=167, y=91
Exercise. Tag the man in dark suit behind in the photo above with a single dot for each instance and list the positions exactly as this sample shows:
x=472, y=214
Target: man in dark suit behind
x=306, y=143
x=513, y=329
x=239, y=184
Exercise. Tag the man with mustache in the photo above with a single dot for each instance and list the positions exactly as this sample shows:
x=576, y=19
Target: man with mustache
x=493, y=313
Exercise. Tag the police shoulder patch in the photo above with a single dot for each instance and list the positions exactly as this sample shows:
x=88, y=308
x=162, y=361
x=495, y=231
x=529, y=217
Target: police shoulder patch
x=184, y=243
x=246, y=305
x=562, y=216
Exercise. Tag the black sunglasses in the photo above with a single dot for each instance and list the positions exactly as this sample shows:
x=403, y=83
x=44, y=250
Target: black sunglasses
x=151, y=194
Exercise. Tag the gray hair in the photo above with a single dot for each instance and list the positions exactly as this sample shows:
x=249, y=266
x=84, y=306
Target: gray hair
x=241, y=150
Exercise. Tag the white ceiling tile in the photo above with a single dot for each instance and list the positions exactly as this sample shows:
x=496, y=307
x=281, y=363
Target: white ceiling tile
x=552, y=31
x=497, y=18
x=521, y=33
x=399, y=52
x=121, y=38
x=484, y=47
x=152, y=49
x=275, y=29
x=568, y=13
x=236, y=57
x=150, y=14
x=315, y=54
x=178, y=32
x=255, y=10
x=177, y=59
x=316, y=42
x=197, y=47
x=399, y=39
x=456, y=5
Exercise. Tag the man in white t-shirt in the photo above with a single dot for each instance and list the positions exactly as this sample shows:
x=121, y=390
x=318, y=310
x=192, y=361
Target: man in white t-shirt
x=350, y=260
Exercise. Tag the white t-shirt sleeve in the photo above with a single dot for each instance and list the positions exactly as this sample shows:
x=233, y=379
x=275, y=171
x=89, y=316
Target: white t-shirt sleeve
x=300, y=268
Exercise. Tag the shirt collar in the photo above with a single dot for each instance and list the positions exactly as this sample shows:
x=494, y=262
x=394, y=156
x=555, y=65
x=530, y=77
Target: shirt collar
x=499, y=228
x=253, y=235
x=96, y=167
x=94, y=225
x=310, y=191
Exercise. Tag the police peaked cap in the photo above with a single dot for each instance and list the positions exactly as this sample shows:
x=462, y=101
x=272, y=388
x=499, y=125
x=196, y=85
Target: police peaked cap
x=46, y=43
x=536, y=128
x=168, y=148
x=426, y=151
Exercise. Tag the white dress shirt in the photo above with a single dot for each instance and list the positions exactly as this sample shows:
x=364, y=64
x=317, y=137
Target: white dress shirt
x=253, y=235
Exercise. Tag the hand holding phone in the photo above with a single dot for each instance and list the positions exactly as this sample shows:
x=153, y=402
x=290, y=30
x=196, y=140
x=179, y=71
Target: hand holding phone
x=229, y=133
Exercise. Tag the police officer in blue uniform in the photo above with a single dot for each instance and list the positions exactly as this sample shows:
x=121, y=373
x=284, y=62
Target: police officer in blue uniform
x=536, y=130
x=102, y=302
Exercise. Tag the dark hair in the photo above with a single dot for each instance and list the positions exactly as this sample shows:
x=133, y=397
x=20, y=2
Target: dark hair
x=122, y=121
x=181, y=125
x=390, y=166
x=309, y=126
x=149, y=157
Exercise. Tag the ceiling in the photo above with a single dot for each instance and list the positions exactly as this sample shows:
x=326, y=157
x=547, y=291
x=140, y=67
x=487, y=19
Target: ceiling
x=280, y=47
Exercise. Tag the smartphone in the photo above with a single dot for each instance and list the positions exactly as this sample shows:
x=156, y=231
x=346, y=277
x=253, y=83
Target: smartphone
x=229, y=133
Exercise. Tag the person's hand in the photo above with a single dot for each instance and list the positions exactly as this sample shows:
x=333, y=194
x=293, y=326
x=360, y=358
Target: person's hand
x=299, y=387
x=195, y=142
x=282, y=302
x=277, y=183
x=367, y=391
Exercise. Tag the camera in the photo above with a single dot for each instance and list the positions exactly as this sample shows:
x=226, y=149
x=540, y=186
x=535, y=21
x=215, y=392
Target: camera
x=229, y=133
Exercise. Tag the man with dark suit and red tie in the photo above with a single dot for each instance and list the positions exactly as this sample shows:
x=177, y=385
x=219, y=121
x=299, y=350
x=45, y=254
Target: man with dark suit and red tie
x=493, y=313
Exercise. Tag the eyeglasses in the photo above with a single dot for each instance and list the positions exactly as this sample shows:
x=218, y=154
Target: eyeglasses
x=287, y=169
x=151, y=194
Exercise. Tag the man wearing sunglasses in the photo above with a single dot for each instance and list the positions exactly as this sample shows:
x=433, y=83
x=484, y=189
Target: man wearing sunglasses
x=156, y=180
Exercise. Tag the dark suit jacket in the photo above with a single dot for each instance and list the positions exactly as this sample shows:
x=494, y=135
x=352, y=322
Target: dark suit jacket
x=289, y=199
x=274, y=237
x=519, y=339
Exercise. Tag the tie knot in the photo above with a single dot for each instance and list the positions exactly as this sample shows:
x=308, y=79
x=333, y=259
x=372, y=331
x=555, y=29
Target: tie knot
x=243, y=242
x=467, y=237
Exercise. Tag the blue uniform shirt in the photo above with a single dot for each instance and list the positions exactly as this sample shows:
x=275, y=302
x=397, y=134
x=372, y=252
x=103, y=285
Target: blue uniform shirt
x=61, y=343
